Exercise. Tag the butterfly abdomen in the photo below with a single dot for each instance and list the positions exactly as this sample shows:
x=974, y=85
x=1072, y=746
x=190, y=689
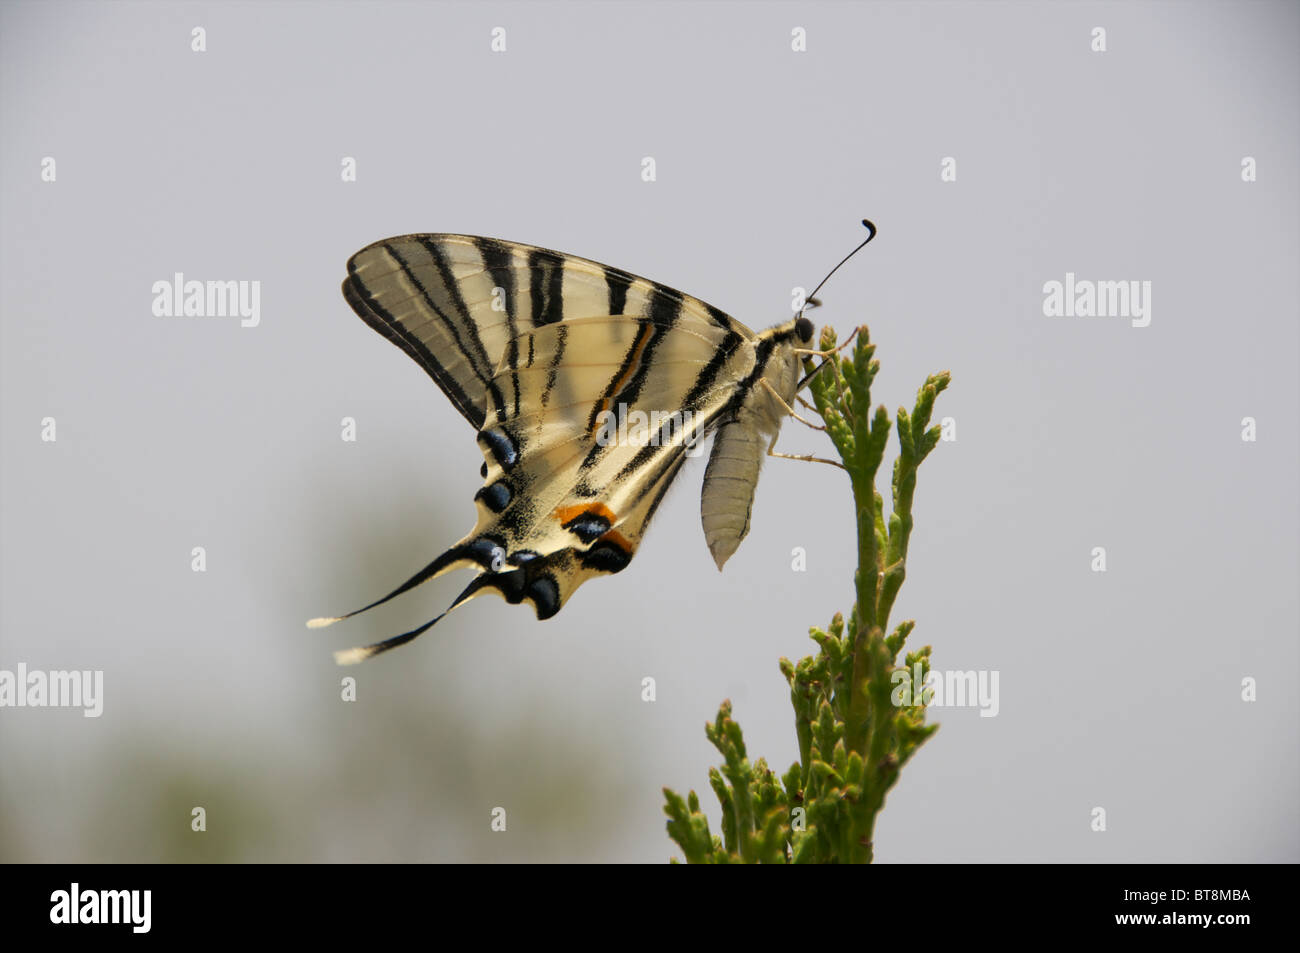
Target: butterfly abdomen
x=741, y=443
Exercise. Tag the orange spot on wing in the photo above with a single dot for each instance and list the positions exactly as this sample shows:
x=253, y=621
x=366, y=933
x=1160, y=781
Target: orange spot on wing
x=567, y=514
x=618, y=539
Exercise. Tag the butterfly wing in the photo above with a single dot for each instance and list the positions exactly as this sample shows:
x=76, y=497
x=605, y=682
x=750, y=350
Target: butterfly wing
x=542, y=352
x=462, y=306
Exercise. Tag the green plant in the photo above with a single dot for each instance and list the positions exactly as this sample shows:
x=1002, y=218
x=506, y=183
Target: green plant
x=858, y=715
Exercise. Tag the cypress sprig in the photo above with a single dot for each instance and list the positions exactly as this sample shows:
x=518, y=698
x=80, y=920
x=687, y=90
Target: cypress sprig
x=859, y=717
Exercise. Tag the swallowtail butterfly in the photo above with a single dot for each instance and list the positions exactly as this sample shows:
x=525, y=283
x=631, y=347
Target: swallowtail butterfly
x=588, y=388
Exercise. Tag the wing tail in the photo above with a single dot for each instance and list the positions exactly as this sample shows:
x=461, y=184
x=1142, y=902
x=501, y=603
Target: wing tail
x=532, y=583
x=466, y=552
x=363, y=652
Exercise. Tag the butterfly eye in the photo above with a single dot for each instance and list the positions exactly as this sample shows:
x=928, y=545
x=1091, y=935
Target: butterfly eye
x=804, y=328
x=498, y=561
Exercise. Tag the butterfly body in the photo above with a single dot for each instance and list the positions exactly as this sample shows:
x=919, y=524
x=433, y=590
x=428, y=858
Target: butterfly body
x=588, y=388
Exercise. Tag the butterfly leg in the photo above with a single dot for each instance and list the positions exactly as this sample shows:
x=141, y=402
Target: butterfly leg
x=772, y=452
x=788, y=409
x=826, y=355
x=814, y=353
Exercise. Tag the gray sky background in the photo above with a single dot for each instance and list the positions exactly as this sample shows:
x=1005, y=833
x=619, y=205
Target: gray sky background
x=1120, y=690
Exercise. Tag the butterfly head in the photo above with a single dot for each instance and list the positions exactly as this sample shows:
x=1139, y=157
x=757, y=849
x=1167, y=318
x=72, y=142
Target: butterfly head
x=803, y=329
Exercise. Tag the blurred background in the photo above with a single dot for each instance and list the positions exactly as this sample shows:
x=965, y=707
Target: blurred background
x=1120, y=690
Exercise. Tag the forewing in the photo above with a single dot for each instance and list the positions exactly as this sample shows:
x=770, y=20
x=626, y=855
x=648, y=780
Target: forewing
x=462, y=306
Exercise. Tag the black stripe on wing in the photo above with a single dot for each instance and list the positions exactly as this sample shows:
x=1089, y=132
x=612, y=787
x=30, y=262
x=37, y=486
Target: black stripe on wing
x=633, y=361
x=497, y=260
x=629, y=380
x=706, y=380
x=546, y=286
x=561, y=342
x=375, y=315
x=617, y=281
x=464, y=329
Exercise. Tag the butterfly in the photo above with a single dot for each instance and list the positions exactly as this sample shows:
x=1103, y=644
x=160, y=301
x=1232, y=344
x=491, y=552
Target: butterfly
x=588, y=389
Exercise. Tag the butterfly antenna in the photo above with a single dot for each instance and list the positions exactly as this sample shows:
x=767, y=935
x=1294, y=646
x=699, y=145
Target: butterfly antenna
x=871, y=233
x=812, y=300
